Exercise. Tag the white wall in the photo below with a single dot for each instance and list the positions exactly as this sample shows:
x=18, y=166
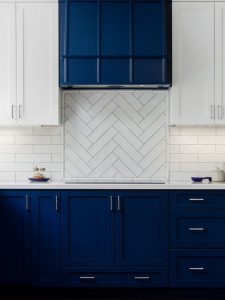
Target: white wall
x=195, y=151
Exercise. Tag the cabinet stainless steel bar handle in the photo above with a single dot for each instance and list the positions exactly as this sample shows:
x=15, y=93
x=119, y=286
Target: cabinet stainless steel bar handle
x=20, y=111
x=111, y=203
x=197, y=269
x=196, y=228
x=12, y=111
x=212, y=111
x=118, y=203
x=56, y=203
x=141, y=277
x=27, y=203
x=196, y=199
x=87, y=277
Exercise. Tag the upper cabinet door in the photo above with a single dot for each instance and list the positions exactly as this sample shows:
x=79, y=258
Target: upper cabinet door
x=7, y=64
x=37, y=64
x=192, y=94
x=220, y=63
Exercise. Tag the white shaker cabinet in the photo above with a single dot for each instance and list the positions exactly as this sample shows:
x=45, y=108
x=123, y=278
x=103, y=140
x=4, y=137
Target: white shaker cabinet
x=192, y=93
x=30, y=65
x=7, y=64
x=220, y=63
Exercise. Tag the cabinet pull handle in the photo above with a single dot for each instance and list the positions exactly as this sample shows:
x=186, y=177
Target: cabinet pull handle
x=56, y=203
x=27, y=203
x=142, y=277
x=197, y=269
x=12, y=111
x=20, y=111
x=197, y=229
x=111, y=203
x=220, y=111
x=87, y=277
x=212, y=111
x=118, y=203
x=196, y=199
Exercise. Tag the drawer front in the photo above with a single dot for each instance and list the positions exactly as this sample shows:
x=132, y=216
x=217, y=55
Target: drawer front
x=197, y=199
x=71, y=277
x=197, y=268
x=197, y=229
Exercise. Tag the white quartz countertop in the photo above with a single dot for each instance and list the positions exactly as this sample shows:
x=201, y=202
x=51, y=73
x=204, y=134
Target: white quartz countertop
x=110, y=186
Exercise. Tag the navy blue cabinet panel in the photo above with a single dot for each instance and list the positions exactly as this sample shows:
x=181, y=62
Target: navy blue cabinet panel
x=45, y=238
x=97, y=277
x=197, y=268
x=197, y=229
x=15, y=235
x=197, y=199
x=87, y=228
x=115, y=71
x=149, y=37
x=86, y=70
x=82, y=28
x=142, y=228
x=115, y=36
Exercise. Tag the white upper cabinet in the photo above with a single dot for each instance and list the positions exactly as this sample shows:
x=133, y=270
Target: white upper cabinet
x=7, y=64
x=29, y=93
x=220, y=63
x=192, y=93
x=37, y=67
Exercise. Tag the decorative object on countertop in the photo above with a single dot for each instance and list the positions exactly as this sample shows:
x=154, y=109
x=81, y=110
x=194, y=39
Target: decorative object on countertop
x=200, y=179
x=218, y=175
x=39, y=175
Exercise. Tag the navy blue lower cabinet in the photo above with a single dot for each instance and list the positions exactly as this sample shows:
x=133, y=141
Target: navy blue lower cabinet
x=114, y=277
x=87, y=228
x=141, y=228
x=197, y=229
x=15, y=236
x=197, y=268
x=45, y=238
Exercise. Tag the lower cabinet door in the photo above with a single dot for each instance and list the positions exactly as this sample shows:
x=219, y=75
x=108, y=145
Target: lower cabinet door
x=15, y=237
x=87, y=277
x=45, y=238
x=197, y=268
x=87, y=228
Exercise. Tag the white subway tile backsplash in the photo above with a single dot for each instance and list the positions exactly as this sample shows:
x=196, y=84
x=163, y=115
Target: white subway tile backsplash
x=33, y=140
x=7, y=140
x=178, y=139
x=197, y=148
x=179, y=157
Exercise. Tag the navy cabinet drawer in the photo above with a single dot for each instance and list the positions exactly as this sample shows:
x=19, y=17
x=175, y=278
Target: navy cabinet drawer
x=73, y=277
x=197, y=199
x=197, y=268
x=197, y=229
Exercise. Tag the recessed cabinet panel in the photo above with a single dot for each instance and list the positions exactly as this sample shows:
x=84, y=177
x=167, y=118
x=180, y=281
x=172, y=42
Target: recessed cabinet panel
x=148, y=29
x=82, y=28
x=115, y=28
x=115, y=71
x=192, y=94
x=86, y=71
x=7, y=64
x=145, y=69
x=37, y=64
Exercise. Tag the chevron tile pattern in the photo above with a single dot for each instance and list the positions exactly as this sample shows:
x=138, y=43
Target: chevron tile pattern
x=115, y=136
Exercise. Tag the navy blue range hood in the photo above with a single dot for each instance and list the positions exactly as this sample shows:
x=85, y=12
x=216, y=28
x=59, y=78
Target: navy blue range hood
x=115, y=43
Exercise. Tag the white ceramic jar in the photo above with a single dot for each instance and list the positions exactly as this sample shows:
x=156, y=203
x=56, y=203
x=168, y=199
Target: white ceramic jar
x=218, y=175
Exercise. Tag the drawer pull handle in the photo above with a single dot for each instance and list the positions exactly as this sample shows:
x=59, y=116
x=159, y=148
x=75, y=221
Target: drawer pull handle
x=87, y=277
x=141, y=277
x=196, y=199
x=197, y=269
x=197, y=229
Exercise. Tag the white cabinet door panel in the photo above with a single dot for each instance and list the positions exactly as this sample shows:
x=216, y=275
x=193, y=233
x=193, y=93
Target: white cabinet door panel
x=192, y=93
x=37, y=64
x=7, y=64
x=220, y=63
